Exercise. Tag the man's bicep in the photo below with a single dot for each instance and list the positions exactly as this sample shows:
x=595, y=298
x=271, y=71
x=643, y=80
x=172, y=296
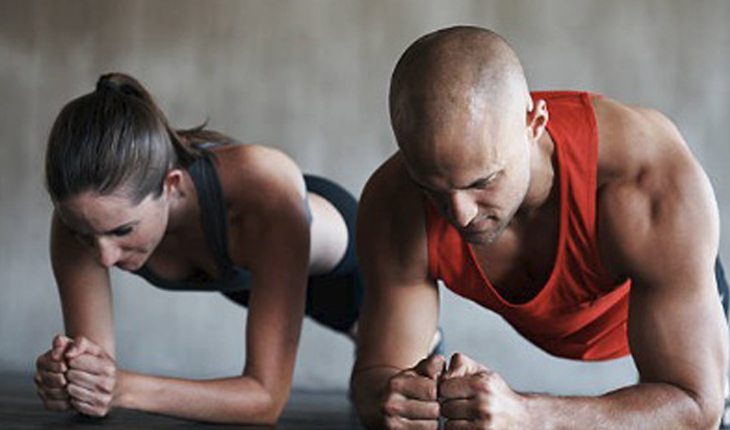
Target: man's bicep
x=660, y=230
x=397, y=325
x=400, y=305
x=400, y=309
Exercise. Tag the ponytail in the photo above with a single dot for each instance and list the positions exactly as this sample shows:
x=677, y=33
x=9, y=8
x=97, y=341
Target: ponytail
x=117, y=136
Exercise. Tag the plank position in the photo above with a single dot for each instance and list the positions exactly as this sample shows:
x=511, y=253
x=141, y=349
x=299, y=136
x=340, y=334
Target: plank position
x=188, y=210
x=585, y=223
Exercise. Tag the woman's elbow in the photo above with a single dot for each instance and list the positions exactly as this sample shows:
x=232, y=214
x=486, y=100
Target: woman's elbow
x=267, y=409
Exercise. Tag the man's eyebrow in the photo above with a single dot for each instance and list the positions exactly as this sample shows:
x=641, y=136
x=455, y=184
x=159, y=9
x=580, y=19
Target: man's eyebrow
x=483, y=179
x=473, y=184
x=420, y=185
x=121, y=226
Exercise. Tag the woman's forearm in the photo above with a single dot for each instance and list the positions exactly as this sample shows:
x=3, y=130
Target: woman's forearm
x=240, y=399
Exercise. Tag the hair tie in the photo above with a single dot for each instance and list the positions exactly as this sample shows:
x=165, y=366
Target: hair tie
x=106, y=83
x=115, y=82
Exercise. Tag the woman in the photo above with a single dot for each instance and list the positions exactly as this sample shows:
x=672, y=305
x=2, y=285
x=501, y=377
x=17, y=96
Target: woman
x=186, y=210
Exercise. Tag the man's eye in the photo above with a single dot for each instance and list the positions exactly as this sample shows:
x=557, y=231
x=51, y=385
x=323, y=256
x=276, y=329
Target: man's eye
x=122, y=231
x=85, y=239
x=426, y=190
x=484, y=183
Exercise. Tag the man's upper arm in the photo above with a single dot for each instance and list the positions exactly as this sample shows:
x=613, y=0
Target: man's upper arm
x=400, y=310
x=658, y=226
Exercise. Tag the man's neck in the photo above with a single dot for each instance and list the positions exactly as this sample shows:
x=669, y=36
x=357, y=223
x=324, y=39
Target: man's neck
x=543, y=179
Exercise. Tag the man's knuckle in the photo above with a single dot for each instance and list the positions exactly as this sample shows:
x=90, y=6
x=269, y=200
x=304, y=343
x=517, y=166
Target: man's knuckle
x=434, y=410
x=393, y=423
x=432, y=391
x=107, y=385
x=396, y=384
x=483, y=411
x=95, y=412
x=391, y=407
x=481, y=382
x=72, y=390
x=432, y=425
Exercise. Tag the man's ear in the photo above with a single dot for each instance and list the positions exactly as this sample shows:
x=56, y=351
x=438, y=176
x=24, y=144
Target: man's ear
x=537, y=119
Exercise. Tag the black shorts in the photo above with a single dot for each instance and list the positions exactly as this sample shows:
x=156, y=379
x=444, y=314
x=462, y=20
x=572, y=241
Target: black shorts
x=333, y=299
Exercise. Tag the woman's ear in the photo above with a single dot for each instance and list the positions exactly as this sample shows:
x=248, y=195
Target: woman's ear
x=172, y=185
x=537, y=119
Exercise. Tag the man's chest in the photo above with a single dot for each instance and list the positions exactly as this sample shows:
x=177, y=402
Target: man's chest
x=519, y=263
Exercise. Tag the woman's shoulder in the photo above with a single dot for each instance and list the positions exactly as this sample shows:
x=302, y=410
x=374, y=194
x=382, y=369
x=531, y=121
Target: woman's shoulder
x=249, y=157
x=253, y=174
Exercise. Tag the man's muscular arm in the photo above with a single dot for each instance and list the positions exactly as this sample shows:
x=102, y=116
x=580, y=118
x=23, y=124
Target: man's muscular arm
x=400, y=309
x=658, y=225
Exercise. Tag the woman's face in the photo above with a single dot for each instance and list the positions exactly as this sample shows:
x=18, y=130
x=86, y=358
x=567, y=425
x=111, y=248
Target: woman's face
x=122, y=234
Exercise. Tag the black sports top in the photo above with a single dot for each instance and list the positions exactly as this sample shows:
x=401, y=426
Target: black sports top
x=213, y=218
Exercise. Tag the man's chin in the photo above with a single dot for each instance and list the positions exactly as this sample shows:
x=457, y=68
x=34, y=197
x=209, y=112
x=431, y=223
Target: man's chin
x=481, y=237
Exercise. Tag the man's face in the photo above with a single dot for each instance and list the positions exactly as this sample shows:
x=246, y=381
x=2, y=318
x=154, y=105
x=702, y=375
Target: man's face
x=477, y=173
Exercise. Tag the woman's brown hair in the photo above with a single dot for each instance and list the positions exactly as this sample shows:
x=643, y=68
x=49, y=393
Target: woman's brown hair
x=117, y=136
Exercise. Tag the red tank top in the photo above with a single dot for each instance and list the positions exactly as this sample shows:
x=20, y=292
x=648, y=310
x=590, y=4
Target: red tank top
x=580, y=313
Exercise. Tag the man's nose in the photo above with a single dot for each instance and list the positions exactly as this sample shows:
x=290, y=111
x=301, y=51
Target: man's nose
x=463, y=208
x=109, y=252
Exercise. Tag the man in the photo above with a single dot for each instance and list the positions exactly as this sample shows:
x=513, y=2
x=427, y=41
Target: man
x=586, y=223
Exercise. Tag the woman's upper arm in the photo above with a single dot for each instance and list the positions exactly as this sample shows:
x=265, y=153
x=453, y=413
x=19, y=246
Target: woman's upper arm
x=278, y=245
x=83, y=286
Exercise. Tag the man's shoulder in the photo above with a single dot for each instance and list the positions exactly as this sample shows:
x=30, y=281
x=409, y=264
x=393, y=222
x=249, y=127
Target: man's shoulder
x=650, y=184
x=633, y=140
x=390, y=184
x=391, y=208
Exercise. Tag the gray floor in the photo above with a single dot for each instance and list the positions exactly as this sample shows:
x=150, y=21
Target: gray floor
x=21, y=409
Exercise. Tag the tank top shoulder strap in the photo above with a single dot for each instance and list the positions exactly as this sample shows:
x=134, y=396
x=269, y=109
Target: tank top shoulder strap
x=213, y=213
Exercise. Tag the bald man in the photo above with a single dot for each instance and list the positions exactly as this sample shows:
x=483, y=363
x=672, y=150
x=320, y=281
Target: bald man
x=585, y=223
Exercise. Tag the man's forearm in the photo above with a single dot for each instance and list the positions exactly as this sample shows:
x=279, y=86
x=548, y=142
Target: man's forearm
x=366, y=388
x=230, y=400
x=641, y=406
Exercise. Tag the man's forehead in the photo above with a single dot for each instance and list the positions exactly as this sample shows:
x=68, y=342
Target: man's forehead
x=447, y=174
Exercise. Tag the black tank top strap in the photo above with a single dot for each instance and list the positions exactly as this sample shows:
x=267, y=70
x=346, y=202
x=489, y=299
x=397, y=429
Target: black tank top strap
x=213, y=211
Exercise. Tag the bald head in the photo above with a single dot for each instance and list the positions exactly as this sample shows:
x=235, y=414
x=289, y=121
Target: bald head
x=451, y=81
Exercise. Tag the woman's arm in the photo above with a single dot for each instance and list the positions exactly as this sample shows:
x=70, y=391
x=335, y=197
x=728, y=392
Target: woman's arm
x=278, y=229
x=83, y=286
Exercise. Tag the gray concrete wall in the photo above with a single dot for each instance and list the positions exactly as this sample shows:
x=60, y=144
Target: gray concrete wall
x=310, y=77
